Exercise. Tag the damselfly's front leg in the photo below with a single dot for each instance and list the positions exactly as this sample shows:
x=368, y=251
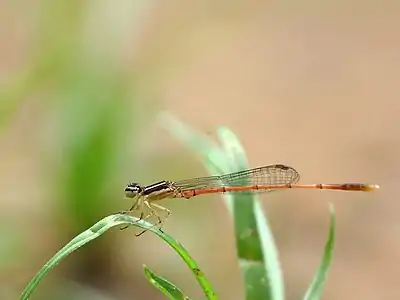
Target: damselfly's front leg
x=138, y=205
x=144, y=219
x=152, y=207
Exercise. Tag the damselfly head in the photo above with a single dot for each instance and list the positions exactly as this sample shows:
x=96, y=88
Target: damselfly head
x=133, y=189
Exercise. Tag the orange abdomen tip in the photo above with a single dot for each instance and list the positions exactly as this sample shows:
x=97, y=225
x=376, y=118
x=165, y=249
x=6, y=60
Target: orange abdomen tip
x=359, y=187
x=371, y=187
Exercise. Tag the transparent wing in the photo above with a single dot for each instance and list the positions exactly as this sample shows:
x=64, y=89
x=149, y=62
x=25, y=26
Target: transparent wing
x=262, y=176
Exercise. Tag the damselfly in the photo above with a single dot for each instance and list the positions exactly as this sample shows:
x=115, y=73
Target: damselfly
x=262, y=179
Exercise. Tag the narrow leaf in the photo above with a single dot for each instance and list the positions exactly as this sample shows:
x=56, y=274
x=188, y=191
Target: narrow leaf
x=315, y=289
x=166, y=287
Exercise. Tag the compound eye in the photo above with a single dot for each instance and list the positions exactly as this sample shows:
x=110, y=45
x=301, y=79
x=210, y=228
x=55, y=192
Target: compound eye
x=132, y=190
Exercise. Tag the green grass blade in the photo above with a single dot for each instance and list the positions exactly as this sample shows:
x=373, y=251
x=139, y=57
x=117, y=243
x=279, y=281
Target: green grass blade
x=271, y=260
x=257, y=255
x=100, y=228
x=166, y=287
x=315, y=289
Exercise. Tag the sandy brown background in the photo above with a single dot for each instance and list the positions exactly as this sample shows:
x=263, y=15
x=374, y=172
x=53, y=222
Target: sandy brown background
x=309, y=84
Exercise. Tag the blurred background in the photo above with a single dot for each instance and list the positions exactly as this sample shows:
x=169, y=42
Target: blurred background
x=308, y=84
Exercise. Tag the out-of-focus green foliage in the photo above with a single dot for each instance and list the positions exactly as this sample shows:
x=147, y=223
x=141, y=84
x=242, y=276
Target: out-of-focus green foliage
x=315, y=289
x=257, y=255
x=84, y=118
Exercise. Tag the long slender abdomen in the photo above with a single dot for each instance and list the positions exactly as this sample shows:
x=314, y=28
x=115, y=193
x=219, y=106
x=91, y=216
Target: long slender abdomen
x=359, y=187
